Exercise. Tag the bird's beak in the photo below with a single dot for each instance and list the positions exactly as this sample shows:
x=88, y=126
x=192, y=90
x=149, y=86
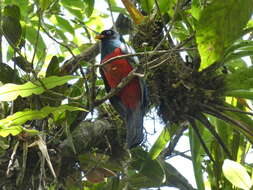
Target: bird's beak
x=99, y=36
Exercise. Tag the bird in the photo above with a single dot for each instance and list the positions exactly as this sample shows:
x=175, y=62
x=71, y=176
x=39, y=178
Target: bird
x=132, y=100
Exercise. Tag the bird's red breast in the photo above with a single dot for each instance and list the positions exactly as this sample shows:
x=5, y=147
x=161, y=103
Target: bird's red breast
x=114, y=72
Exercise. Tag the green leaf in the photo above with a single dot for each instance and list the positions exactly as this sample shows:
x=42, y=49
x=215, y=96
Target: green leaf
x=238, y=45
x=236, y=174
x=238, y=55
x=147, y=168
x=7, y=74
x=11, y=91
x=11, y=26
x=196, y=9
x=22, y=64
x=73, y=3
x=220, y=23
x=53, y=67
x=247, y=94
x=89, y=7
x=31, y=36
x=240, y=79
x=13, y=130
x=12, y=29
x=64, y=24
x=160, y=144
x=12, y=11
x=165, y=5
x=147, y=5
x=44, y=4
x=21, y=117
x=197, y=157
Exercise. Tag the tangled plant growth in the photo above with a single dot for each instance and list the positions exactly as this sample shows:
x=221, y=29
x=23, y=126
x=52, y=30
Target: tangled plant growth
x=205, y=96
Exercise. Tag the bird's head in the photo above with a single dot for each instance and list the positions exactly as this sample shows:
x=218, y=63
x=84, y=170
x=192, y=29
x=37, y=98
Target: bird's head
x=110, y=41
x=108, y=35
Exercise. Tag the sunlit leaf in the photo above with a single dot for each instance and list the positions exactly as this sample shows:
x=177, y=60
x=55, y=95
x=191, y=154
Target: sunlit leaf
x=160, y=143
x=236, y=174
x=10, y=91
x=248, y=94
x=147, y=5
x=21, y=117
x=44, y=4
x=64, y=23
x=220, y=23
x=31, y=36
x=89, y=7
x=196, y=9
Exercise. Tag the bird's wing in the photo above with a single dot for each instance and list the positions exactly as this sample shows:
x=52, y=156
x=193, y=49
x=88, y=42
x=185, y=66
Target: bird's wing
x=115, y=101
x=133, y=60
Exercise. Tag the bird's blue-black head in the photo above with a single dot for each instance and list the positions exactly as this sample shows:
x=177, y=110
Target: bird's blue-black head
x=109, y=41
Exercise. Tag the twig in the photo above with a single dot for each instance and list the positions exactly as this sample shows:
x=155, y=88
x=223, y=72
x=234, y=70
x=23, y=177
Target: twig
x=60, y=43
x=12, y=159
x=23, y=168
x=110, y=8
x=141, y=53
x=37, y=37
x=169, y=29
x=161, y=16
x=120, y=86
x=178, y=153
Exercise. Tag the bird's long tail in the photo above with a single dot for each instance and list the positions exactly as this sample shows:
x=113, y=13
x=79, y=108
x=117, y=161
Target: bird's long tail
x=134, y=124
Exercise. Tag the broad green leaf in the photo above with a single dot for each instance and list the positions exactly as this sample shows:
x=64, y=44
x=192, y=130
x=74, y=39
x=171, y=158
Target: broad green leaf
x=64, y=24
x=24, y=5
x=12, y=29
x=220, y=23
x=21, y=117
x=73, y=3
x=147, y=5
x=13, y=130
x=196, y=157
x=11, y=26
x=196, y=9
x=44, y=4
x=147, y=168
x=245, y=120
x=11, y=91
x=165, y=5
x=7, y=74
x=22, y=64
x=240, y=79
x=247, y=94
x=238, y=55
x=53, y=67
x=31, y=36
x=160, y=144
x=239, y=45
x=12, y=11
x=236, y=174
x=89, y=7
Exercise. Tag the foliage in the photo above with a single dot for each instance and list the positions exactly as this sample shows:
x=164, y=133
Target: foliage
x=53, y=107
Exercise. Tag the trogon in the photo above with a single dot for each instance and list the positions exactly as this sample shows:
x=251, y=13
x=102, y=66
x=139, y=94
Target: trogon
x=131, y=101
